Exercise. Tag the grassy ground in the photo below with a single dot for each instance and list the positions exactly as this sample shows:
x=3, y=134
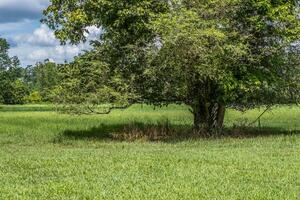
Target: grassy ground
x=44, y=155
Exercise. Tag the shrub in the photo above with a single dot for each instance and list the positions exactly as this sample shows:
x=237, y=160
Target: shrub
x=33, y=97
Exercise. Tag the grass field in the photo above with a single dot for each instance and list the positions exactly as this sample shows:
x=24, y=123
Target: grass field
x=45, y=155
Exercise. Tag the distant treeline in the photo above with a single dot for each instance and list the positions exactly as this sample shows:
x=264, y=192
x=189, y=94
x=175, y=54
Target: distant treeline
x=33, y=84
x=19, y=85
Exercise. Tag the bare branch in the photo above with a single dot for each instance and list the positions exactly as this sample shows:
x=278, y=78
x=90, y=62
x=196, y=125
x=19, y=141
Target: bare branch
x=260, y=116
x=109, y=110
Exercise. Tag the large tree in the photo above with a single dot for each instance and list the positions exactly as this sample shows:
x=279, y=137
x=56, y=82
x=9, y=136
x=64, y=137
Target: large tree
x=206, y=54
x=216, y=54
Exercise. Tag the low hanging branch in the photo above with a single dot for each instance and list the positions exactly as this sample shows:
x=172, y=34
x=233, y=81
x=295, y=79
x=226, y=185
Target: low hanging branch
x=109, y=110
x=261, y=115
x=92, y=109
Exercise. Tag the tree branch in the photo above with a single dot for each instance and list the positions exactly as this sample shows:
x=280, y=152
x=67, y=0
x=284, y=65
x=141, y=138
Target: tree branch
x=260, y=116
x=109, y=110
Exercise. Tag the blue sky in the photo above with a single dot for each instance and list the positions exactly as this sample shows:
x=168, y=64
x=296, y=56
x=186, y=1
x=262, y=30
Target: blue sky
x=30, y=40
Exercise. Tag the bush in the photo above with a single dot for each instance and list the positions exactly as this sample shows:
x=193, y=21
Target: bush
x=15, y=93
x=33, y=97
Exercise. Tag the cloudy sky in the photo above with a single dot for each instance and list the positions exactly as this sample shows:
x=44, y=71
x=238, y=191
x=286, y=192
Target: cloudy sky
x=30, y=40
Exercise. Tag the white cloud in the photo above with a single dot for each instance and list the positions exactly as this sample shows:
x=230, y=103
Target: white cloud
x=93, y=32
x=72, y=50
x=41, y=36
x=39, y=54
x=31, y=41
x=42, y=44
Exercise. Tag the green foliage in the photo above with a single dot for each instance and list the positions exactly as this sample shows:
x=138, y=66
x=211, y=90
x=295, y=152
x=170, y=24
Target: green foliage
x=34, y=97
x=270, y=29
x=121, y=20
x=14, y=92
x=88, y=83
x=17, y=92
x=45, y=77
x=4, y=58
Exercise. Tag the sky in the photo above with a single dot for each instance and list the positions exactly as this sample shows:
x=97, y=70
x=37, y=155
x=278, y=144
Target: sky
x=30, y=40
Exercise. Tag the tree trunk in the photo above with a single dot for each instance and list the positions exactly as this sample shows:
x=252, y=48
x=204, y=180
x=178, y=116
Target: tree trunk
x=200, y=116
x=221, y=116
x=209, y=116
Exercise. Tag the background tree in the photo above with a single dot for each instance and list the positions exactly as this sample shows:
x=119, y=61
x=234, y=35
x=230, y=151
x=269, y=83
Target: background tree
x=45, y=78
x=5, y=60
x=4, y=64
x=42, y=79
x=206, y=54
x=12, y=88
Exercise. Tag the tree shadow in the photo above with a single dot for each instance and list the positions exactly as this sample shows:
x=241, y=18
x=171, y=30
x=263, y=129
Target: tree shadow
x=164, y=133
x=102, y=132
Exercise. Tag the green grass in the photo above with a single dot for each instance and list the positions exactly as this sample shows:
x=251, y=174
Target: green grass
x=39, y=160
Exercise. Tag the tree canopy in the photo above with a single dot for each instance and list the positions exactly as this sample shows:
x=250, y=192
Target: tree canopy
x=207, y=54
